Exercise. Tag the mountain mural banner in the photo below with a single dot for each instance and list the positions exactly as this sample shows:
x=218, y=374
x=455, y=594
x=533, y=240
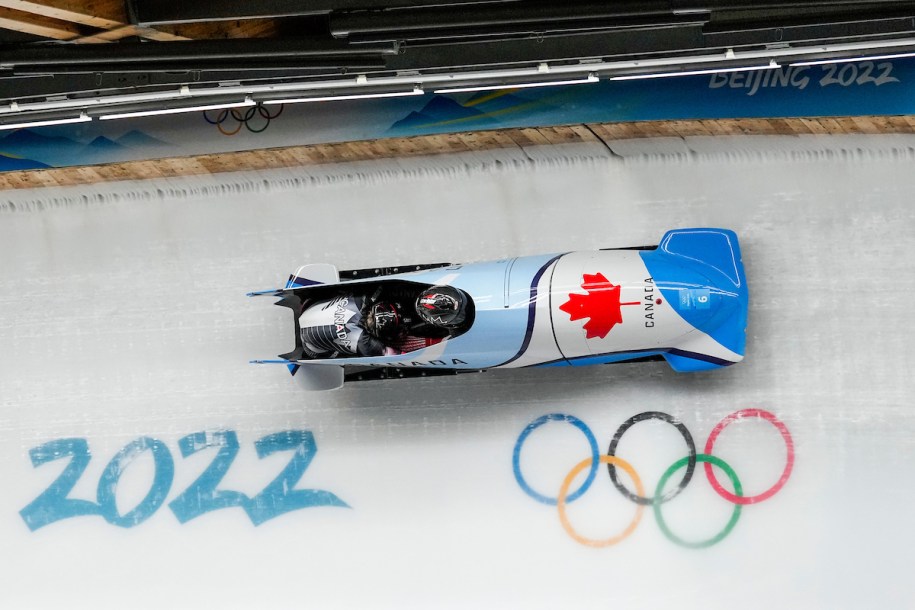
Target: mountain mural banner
x=839, y=89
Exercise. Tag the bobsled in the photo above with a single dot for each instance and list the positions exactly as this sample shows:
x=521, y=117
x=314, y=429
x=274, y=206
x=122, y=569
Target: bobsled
x=683, y=301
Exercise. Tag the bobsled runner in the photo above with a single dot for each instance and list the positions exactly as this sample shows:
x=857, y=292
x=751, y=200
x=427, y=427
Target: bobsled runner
x=684, y=301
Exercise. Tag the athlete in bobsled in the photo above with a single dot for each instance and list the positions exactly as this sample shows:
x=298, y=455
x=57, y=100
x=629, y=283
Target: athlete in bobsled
x=385, y=323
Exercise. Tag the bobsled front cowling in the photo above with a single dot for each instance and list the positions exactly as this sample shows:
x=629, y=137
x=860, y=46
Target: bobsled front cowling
x=715, y=255
x=617, y=304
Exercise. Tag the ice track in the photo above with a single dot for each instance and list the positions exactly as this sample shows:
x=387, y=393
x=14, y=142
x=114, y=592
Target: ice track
x=123, y=316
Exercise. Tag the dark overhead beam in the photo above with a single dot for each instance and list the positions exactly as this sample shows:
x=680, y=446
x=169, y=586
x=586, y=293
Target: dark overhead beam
x=844, y=32
x=734, y=5
x=348, y=63
x=151, y=12
x=343, y=24
x=40, y=86
x=488, y=15
x=743, y=21
x=629, y=43
x=195, y=51
x=509, y=31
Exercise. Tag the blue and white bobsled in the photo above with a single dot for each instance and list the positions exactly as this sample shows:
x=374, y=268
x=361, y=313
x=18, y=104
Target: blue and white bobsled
x=684, y=301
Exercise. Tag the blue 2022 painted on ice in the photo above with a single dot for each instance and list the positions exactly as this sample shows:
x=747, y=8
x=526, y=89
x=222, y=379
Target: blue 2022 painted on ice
x=201, y=497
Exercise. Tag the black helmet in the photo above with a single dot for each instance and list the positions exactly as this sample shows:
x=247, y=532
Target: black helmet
x=443, y=306
x=384, y=321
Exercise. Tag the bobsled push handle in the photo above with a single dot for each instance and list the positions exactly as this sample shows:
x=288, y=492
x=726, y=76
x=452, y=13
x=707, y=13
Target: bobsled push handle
x=310, y=275
x=305, y=276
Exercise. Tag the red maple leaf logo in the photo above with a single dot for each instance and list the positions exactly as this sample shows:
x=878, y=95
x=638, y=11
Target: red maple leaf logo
x=601, y=304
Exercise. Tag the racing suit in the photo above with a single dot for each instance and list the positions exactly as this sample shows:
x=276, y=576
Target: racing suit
x=333, y=327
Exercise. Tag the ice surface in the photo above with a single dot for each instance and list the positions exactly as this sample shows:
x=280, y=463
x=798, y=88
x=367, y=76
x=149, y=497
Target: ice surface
x=124, y=317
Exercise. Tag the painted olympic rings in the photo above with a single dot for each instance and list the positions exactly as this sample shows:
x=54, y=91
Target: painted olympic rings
x=789, y=463
x=735, y=515
x=609, y=460
x=516, y=456
x=690, y=466
x=737, y=498
x=256, y=115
